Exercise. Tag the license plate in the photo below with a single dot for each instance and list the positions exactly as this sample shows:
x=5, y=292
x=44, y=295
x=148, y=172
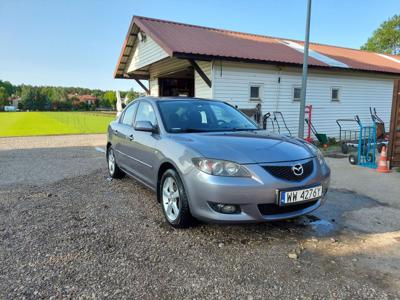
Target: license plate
x=289, y=197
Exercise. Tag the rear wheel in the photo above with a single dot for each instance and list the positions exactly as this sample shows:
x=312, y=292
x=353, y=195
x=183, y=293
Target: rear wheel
x=113, y=170
x=353, y=159
x=174, y=201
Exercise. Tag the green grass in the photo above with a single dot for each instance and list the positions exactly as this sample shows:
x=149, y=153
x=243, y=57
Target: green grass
x=52, y=123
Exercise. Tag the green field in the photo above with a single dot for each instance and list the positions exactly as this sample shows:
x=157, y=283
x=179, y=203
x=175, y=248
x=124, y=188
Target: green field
x=52, y=123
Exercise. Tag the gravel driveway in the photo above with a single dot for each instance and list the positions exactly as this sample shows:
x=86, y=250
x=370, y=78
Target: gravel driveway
x=86, y=236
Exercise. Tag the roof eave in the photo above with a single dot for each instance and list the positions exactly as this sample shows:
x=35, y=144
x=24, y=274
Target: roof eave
x=203, y=57
x=137, y=21
x=128, y=34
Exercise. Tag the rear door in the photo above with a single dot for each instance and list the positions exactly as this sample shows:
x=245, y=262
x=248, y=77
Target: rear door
x=123, y=135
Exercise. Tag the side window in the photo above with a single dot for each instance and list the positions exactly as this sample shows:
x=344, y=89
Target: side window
x=335, y=94
x=296, y=93
x=255, y=92
x=127, y=118
x=146, y=113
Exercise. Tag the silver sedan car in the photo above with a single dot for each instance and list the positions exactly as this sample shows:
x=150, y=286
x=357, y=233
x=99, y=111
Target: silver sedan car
x=206, y=160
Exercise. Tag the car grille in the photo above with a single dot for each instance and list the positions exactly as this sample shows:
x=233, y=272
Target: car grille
x=274, y=209
x=286, y=173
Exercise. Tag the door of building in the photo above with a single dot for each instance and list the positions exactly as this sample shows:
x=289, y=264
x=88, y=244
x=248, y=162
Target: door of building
x=176, y=87
x=394, y=142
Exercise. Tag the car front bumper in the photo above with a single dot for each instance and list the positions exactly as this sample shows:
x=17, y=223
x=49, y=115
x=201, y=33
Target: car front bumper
x=256, y=196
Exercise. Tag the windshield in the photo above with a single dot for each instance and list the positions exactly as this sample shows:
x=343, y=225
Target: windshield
x=202, y=116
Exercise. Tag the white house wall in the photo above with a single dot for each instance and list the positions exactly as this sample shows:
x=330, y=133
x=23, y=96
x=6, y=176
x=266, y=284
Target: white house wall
x=357, y=92
x=201, y=89
x=146, y=53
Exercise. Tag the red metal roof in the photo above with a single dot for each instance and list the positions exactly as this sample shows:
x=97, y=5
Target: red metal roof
x=179, y=39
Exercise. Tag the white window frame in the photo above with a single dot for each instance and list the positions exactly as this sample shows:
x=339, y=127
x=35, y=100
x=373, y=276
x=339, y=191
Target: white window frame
x=293, y=88
x=260, y=92
x=339, y=93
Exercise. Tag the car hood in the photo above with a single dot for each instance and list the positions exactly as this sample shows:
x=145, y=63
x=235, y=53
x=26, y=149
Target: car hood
x=245, y=147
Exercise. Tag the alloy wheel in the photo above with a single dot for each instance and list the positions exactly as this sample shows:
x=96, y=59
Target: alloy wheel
x=111, y=161
x=170, y=198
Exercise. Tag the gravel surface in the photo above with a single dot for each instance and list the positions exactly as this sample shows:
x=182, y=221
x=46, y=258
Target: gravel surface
x=85, y=236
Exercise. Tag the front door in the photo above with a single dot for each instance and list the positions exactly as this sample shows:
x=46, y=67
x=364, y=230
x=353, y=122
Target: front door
x=142, y=146
x=394, y=142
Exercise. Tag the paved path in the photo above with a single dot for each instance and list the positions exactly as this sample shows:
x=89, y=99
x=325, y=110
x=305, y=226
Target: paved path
x=53, y=141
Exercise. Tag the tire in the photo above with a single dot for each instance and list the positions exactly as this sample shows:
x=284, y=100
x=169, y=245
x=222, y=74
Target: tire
x=345, y=148
x=370, y=158
x=113, y=170
x=175, y=209
x=353, y=159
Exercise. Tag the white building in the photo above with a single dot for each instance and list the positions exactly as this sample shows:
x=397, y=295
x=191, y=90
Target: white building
x=245, y=69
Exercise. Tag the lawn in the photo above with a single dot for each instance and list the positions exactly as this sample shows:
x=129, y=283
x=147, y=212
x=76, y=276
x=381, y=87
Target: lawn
x=51, y=123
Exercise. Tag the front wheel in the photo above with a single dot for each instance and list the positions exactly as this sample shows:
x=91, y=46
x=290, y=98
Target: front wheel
x=174, y=201
x=113, y=170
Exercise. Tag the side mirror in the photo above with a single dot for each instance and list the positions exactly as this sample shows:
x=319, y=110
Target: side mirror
x=145, y=126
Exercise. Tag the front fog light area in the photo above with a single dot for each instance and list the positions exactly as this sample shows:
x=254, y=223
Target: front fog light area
x=225, y=208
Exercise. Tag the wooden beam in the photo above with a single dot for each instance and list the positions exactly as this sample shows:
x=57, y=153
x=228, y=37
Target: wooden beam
x=200, y=72
x=142, y=86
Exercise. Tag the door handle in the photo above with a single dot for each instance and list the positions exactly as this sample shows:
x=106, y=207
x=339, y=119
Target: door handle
x=130, y=137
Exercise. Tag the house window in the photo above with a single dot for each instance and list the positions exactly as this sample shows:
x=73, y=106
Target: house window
x=255, y=92
x=296, y=93
x=335, y=94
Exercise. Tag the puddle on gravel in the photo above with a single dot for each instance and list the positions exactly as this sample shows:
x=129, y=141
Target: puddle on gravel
x=330, y=218
x=315, y=226
x=323, y=227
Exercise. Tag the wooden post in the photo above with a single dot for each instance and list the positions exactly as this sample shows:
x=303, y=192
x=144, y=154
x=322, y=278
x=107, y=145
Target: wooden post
x=394, y=131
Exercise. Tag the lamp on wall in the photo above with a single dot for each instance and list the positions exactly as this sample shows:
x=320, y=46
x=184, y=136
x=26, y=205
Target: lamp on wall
x=141, y=36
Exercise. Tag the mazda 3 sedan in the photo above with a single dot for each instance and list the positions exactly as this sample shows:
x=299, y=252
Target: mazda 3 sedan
x=206, y=160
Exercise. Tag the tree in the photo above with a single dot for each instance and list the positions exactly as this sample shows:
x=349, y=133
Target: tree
x=110, y=98
x=132, y=95
x=3, y=96
x=385, y=39
x=34, y=98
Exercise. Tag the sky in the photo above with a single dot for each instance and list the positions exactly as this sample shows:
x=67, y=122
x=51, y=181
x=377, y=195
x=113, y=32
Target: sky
x=77, y=42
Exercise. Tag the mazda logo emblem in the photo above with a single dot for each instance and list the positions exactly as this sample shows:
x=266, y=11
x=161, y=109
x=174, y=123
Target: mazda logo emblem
x=298, y=170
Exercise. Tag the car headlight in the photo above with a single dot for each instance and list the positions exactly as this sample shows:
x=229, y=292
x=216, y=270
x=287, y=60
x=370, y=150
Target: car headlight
x=220, y=167
x=317, y=153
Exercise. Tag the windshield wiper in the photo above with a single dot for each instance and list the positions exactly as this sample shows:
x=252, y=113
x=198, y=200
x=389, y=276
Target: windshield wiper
x=242, y=129
x=189, y=130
